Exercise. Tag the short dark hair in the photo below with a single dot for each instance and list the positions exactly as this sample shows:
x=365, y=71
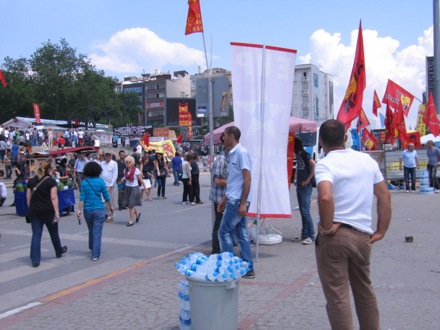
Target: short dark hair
x=92, y=170
x=332, y=133
x=121, y=151
x=234, y=130
x=298, y=146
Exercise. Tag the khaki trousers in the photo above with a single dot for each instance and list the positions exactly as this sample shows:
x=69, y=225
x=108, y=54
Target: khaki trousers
x=344, y=260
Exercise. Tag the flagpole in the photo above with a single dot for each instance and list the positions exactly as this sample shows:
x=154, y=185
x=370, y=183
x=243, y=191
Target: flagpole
x=210, y=102
x=436, y=56
x=260, y=169
x=210, y=118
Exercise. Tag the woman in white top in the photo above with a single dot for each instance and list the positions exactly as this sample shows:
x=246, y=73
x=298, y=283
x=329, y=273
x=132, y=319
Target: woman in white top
x=188, y=194
x=132, y=196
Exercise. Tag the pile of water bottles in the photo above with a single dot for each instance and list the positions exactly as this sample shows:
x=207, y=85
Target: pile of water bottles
x=184, y=307
x=222, y=267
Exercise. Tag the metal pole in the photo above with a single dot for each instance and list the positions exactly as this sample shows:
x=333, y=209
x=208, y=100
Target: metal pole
x=436, y=93
x=260, y=169
x=211, y=119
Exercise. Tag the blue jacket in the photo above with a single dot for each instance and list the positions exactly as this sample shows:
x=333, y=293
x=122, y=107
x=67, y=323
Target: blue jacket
x=91, y=191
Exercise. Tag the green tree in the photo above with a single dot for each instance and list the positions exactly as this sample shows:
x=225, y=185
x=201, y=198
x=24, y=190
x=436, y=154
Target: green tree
x=63, y=83
x=17, y=98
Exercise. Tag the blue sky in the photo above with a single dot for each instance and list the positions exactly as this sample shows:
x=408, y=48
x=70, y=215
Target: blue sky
x=125, y=38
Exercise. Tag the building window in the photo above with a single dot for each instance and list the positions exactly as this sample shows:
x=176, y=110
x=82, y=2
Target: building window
x=305, y=86
x=133, y=90
x=155, y=114
x=315, y=80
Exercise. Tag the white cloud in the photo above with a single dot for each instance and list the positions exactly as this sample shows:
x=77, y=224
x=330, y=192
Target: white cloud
x=132, y=50
x=383, y=58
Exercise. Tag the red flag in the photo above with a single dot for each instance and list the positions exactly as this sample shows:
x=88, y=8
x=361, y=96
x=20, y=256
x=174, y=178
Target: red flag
x=368, y=140
x=395, y=95
x=2, y=78
x=194, y=22
x=399, y=124
x=179, y=138
x=37, y=114
x=389, y=128
x=362, y=121
x=376, y=103
x=430, y=116
x=146, y=139
x=352, y=102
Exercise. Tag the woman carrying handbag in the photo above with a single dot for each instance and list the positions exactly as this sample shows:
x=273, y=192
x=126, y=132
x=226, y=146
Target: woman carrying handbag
x=93, y=189
x=42, y=200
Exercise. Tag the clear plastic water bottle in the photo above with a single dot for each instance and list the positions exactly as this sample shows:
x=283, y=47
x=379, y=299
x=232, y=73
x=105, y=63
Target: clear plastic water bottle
x=195, y=274
x=213, y=257
x=183, y=295
x=225, y=255
x=181, y=267
x=185, y=320
x=194, y=257
x=208, y=266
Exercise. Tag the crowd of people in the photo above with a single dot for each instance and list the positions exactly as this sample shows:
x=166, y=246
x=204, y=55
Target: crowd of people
x=33, y=136
x=345, y=229
x=105, y=183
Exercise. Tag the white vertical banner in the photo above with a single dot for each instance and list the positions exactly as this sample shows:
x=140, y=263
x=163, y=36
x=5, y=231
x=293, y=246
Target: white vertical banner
x=262, y=82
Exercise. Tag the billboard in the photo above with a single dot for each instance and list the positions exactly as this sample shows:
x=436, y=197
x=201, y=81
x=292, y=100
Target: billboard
x=221, y=97
x=174, y=117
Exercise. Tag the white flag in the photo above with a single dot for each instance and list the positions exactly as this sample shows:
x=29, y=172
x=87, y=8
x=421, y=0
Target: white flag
x=262, y=82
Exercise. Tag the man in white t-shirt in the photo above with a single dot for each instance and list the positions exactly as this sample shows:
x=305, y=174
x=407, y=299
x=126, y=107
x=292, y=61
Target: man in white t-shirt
x=347, y=181
x=81, y=138
x=109, y=174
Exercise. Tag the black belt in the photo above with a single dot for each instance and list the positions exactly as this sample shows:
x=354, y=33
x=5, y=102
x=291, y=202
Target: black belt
x=347, y=226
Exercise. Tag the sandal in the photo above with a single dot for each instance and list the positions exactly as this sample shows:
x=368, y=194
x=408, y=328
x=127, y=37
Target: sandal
x=130, y=224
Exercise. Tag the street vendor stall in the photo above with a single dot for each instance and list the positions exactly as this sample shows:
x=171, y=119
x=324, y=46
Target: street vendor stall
x=66, y=201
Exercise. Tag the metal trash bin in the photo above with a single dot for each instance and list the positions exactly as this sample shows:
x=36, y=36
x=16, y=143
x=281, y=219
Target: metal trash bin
x=213, y=305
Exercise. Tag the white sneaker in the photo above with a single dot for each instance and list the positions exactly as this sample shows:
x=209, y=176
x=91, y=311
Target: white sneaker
x=308, y=241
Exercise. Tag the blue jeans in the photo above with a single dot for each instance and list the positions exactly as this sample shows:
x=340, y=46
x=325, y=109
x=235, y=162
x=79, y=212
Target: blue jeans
x=37, y=231
x=176, y=177
x=304, y=195
x=407, y=172
x=234, y=226
x=95, y=221
x=432, y=170
x=161, y=182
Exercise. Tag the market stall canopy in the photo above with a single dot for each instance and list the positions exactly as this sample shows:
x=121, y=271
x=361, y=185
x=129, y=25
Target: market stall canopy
x=296, y=125
x=428, y=137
